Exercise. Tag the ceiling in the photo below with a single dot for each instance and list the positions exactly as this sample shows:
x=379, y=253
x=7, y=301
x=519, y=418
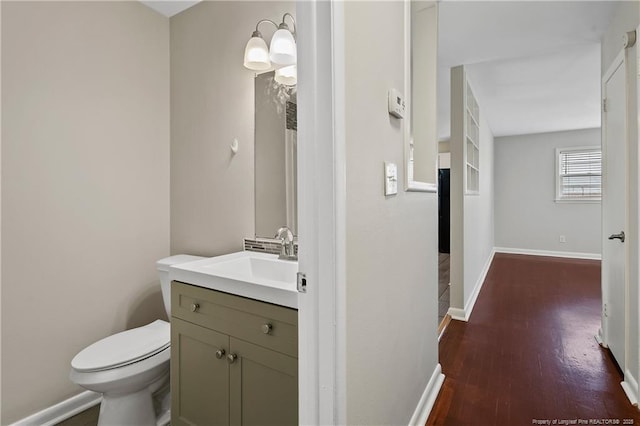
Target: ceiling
x=534, y=65
x=169, y=8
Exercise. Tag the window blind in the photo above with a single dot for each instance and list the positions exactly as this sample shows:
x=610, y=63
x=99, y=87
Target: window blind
x=580, y=174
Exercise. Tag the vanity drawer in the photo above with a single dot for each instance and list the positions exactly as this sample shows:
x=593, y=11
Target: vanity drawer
x=271, y=326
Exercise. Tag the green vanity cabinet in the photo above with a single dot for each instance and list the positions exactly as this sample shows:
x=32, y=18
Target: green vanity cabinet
x=199, y=381
x=234, y=361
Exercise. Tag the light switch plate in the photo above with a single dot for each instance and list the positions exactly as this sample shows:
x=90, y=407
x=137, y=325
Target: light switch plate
x=396, y=103
x=390, y=178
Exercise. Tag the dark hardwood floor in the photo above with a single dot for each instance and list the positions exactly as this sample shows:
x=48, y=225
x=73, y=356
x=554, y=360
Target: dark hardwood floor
x=528, y=351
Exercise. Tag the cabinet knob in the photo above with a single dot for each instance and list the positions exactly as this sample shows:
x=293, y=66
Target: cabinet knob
x=195, y=307
x=220, y=353
x=266, y=328
x=232, y=358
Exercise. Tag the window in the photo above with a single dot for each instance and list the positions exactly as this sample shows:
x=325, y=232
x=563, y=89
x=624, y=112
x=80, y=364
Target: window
x=579, y=174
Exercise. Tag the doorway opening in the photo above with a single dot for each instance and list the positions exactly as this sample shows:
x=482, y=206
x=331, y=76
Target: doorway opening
x=444, y=239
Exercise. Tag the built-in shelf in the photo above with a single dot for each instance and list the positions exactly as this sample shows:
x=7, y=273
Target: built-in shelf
x=472, y=146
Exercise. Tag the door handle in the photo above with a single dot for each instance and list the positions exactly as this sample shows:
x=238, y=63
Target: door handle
x=619, y=236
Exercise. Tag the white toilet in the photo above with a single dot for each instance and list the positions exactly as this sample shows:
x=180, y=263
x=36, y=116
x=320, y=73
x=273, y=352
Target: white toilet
x=131, y=368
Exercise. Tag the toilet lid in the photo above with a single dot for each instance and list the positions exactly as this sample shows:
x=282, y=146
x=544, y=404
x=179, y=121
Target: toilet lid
x=124, y=348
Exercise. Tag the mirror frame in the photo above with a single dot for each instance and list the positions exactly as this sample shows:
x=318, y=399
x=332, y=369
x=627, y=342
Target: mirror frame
x=410, y=184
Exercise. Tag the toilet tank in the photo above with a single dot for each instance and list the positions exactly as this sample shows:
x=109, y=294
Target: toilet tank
x=163, y=271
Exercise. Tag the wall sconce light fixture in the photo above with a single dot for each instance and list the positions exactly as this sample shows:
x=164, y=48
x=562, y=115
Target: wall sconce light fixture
x=281, y=54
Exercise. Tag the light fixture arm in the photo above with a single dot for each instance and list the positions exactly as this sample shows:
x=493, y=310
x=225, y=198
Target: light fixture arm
x=284, y=25
x=257, y=32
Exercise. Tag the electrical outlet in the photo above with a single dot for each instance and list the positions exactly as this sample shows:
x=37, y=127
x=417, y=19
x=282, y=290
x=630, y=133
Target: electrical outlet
x=606, y=313
x=563, y=239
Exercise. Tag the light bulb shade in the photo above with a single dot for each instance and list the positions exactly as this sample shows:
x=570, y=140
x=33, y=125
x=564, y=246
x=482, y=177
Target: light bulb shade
x=287, y=75
x=256, y=55
x=282, y=50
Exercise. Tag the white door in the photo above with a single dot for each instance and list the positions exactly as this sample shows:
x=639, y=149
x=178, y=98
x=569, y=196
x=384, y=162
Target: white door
x=614, y=195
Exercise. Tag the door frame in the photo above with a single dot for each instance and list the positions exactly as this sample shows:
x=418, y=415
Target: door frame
x=620, y=62
x=321, y=212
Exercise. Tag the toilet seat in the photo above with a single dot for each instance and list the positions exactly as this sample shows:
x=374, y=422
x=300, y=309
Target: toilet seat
x=124, y=348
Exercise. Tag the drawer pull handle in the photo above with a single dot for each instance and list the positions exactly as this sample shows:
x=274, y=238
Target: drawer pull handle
x=220, y=353
x=232, y=358
x=195, y=307
x=266, y=328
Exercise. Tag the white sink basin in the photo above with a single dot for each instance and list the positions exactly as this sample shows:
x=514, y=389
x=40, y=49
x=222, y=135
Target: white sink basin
x=258, y=276
x=255, y=269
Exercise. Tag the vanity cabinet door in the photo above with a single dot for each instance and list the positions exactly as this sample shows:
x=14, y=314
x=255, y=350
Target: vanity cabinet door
x=199, y=379
x=263, y=386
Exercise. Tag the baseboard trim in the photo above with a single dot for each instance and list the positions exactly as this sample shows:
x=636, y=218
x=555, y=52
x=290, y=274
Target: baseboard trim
x=443, y=326
x=428, y=398
x=62, y=411
x=457, y=314
x=465, y=314
x=630, y=386
x=549, y=253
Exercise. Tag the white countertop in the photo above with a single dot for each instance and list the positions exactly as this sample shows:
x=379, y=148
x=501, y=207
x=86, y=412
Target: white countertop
x=259, y=276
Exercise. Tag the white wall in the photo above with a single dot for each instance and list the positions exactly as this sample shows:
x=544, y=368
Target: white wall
x=472, y=215
x=444, y=160
x=212, y=102
x=0, y=214
x=627, y=18
x=85, y=185
x=479, y=216
x=526, y=213
x=391, y=266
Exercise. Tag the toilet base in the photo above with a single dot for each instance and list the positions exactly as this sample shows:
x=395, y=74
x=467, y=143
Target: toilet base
x=137, y=408
x=162, y=404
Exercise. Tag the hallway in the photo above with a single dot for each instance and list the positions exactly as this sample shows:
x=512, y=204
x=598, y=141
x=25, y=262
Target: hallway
x=528, y=351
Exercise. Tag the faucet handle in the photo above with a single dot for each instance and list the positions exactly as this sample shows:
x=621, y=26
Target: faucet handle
x=287, y=251
x=284, y=230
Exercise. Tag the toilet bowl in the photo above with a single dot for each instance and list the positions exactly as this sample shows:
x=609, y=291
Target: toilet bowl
x=127, y=368
x=131, y=368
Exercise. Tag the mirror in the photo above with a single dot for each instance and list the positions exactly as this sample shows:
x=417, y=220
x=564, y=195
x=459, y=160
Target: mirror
x=421, y=58
x=275, y=154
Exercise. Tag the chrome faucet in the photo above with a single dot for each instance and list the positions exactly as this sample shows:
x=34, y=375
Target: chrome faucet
x=287, y=251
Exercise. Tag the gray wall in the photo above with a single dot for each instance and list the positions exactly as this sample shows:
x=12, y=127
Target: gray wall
x=391, y=259
x=212, y=102
x=627, y=18
x=526, y=213
x=85, y=185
